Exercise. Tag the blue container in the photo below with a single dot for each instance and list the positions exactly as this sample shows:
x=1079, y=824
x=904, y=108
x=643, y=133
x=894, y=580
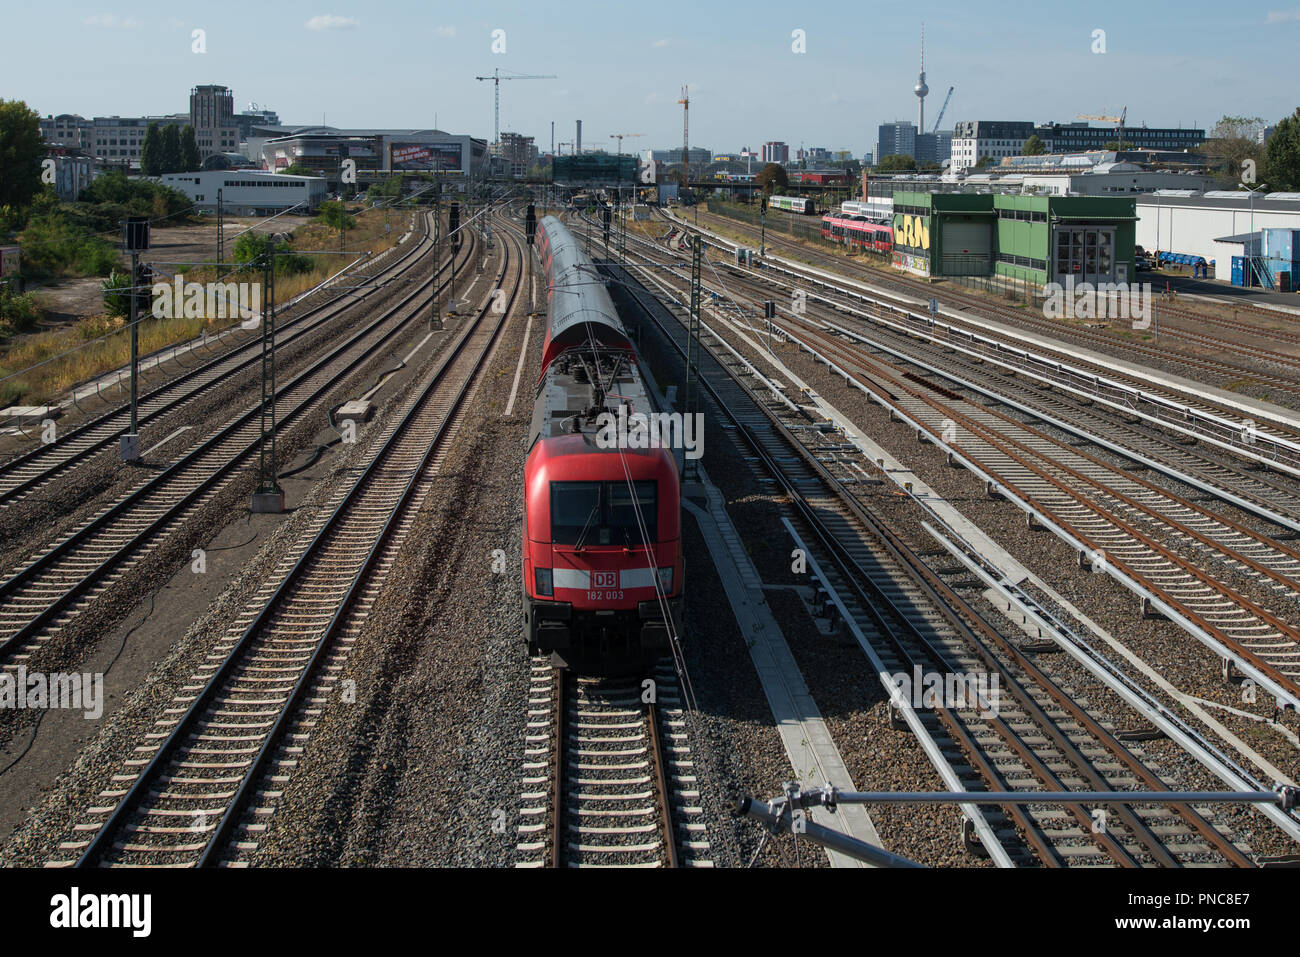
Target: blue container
x=1238, y=270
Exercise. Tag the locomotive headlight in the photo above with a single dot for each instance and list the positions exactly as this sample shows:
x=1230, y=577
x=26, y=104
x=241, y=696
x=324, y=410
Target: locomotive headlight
x=543, y=578
x=666, y=580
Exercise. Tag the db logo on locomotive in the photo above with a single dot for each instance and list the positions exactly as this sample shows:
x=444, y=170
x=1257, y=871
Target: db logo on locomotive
x=604, y=579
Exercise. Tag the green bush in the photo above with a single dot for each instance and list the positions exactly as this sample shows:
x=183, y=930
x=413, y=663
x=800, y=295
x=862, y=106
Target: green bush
x=250, y=247
x=18, y=312
x=111, y=198
x=117, y=295
x=53, y=246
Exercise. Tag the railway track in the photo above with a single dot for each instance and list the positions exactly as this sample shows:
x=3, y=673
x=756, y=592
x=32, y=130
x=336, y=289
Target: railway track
x=609, y=763
x=1270, y=443
x=1040, y=736
x=1272, y=496
x=1119, y=516
x=1228, y=370
x=29, y=471
x=41, y=598
x=202, y=787
x=1132, y=531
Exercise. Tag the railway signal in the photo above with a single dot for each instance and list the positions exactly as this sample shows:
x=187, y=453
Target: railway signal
x=143, y=281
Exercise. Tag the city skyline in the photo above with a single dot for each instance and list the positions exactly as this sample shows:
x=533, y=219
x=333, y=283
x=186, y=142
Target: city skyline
x=622, y=73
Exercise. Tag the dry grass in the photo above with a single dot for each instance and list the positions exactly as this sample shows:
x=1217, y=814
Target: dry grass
x=48, y=364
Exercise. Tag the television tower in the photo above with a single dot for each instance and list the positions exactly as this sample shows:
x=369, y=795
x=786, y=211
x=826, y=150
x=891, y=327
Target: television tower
x=921, y=89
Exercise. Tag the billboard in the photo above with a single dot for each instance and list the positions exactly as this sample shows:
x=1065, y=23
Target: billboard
x=425, y=157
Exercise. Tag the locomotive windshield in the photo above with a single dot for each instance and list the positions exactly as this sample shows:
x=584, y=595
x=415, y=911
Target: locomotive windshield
x=603, y=513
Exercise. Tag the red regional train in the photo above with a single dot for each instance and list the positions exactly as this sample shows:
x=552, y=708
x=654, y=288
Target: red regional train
x=602, y=560
x=857, y=232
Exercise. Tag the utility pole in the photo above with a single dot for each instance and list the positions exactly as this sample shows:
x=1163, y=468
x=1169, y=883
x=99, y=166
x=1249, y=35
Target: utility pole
x=685, y=101
x=221, y=231
x=1251, y=260
x=135, y=239
x=453, y=226
x=268, y=497
x=622, y=213
x=692, y=402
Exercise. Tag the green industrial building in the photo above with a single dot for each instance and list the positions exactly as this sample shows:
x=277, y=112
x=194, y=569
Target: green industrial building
x=1026, y=238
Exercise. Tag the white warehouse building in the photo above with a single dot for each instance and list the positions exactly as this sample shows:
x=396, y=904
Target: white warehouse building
x=248, y=192
x=1200, y=224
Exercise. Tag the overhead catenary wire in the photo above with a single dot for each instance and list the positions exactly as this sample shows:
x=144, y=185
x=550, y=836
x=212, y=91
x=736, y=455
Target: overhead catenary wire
x=661, y=598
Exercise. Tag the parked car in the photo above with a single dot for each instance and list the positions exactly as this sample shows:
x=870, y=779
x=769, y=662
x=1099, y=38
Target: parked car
x=1141, y=264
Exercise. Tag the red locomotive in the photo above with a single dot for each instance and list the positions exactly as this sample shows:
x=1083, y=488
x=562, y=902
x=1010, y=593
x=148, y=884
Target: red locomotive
x=602, y=562
x=858, y=232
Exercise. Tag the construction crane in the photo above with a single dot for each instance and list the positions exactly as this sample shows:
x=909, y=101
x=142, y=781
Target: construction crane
x=685, y=101
x=496, y=79
x=943, y=109
x=1117, y=120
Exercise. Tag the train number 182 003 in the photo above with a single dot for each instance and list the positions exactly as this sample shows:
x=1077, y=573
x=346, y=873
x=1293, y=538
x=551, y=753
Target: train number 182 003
x=604, y=596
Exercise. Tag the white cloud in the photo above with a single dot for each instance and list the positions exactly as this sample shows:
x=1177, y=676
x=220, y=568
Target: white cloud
x=330, y=21
x=444, y=31
x=110, y=21
x=1282, y=16
x=660, y=44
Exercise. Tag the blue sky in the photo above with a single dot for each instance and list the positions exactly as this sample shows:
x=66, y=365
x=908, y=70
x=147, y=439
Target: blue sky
x=621, y=66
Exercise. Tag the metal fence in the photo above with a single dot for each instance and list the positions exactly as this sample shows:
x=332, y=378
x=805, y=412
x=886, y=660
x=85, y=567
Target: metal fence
x=973, y=272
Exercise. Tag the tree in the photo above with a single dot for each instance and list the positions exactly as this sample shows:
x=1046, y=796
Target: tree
x=1233, y=140
x=983, y=162
x=1237, y=128
x=893, y=163
x=1284, y=154
x=171, y=149
x=250, y=247
x=772, y=177
x=1116, y=145
x=151, y=151
x=189, y=150
x=297, y=169
x=335, y=215
x=21, y=151
x=1033, y=146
